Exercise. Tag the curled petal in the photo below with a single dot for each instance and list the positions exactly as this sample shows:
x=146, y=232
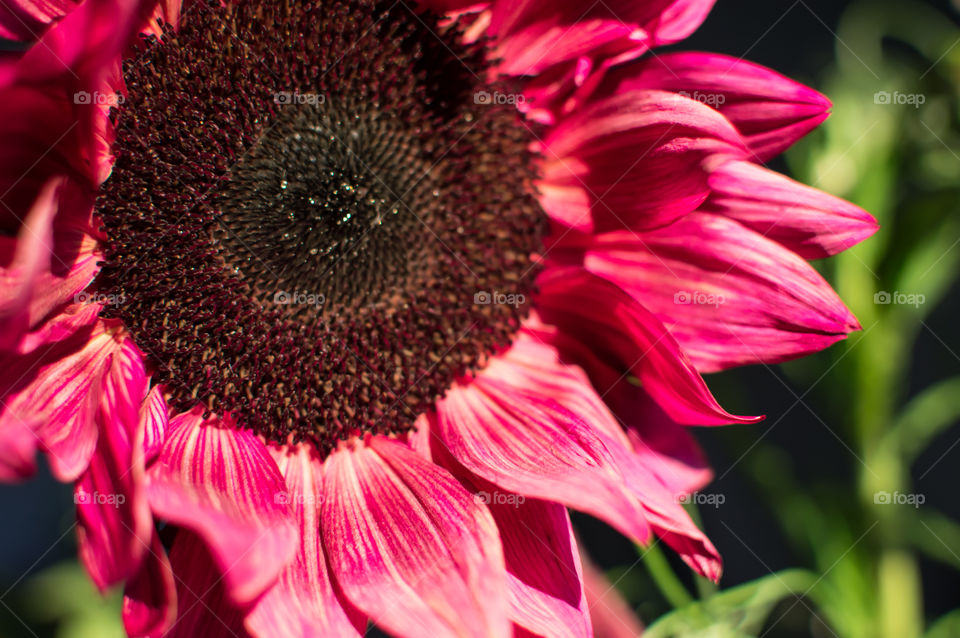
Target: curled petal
x=150, y=597
x=679, y=20
x=632, y=160
x=57, y=397
x=533, y=35
x=115, y=524
x=221, y=483
x=543, y=566
x=627, y=337
x=204, y=604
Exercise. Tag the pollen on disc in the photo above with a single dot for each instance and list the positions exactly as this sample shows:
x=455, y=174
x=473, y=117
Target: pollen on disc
x=303, y=226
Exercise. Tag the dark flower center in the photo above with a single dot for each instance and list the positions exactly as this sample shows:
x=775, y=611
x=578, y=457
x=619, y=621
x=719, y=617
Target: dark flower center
x=313, y=221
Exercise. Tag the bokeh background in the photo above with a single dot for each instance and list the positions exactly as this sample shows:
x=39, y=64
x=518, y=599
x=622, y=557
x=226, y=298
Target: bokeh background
x=797, y=507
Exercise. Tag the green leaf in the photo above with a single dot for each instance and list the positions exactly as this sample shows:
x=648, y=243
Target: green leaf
x=947, y=626
x=924, y=417
x=63, y=595
x=734, y=613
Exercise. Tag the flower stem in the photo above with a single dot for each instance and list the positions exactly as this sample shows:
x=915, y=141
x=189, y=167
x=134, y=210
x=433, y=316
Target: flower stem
x=664, y=577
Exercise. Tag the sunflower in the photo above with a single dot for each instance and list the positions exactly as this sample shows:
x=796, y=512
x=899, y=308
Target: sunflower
x=331, y=309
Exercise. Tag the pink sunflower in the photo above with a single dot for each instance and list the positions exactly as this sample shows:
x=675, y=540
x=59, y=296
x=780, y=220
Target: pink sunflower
x=330, y=310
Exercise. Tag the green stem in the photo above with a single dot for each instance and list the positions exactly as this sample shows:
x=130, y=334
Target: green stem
x=664, y=577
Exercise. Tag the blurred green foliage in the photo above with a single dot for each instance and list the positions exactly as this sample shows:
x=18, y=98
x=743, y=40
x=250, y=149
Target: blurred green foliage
x=902, y=163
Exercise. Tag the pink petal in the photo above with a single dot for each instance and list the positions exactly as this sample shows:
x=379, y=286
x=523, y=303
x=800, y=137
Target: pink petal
x=55, y=392
x=680, y=20
x=154, y=420
x=31, y=255
x=809, y=222
x=612, y=616
x=115, y=524
x=627, y=337
x=569, y=386
x=453, y=6
x=25, y=20
x=60, y=327
x=770, y=111
x=204, y=606
x=150, y=597
x=543, y=566
x=409, y=546
x=41, y=123
x=632, y=160
x=221, y=483
x=534, y=35
x=18, y=450
x=303, y=603
x=662, y=446
x=504, y=427
x=729, y=296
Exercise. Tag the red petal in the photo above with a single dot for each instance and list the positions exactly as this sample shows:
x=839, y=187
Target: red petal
x=627, y=337
x=807, y=221
x=115, y=524
x=408, y=544
x=303, y=603
x=729, y=296
x=221, y=482
x=150, y=597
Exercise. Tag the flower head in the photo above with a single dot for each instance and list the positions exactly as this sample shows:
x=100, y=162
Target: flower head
x=356, y=298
